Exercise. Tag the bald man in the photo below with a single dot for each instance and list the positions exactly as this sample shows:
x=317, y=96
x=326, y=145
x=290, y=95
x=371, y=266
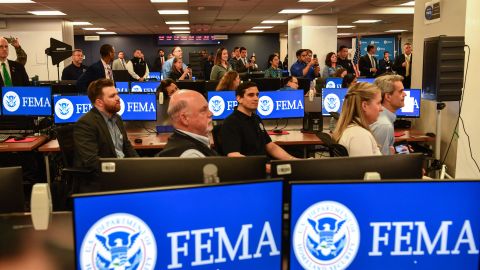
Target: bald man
x=192, y=120
x=13, y=73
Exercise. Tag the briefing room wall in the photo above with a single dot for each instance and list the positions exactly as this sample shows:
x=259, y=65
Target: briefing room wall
x=34, y=36
x=260, y=44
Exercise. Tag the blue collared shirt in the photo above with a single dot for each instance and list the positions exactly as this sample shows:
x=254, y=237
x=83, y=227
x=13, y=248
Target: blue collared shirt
x=297, y=70
x=167, y=68
x=383, y=131
x=115, y=133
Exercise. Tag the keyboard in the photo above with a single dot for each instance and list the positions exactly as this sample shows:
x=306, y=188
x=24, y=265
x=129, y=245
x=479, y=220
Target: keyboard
x=4, y=137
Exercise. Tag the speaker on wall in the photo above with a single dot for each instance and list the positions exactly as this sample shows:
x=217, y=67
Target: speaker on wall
x=443, y=68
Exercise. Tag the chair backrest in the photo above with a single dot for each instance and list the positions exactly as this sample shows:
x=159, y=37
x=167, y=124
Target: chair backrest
x=217, y=139
x=66, y=143
x=335, y=149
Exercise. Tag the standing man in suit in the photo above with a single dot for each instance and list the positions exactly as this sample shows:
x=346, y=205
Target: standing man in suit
x=368, y=63
x=385, y=65
x=403, y=65
x=243, y=64
x=98, y=70
x=100, y=133
x=159, y=60
x=76, y=68
x=120, y=63
x=13, y=73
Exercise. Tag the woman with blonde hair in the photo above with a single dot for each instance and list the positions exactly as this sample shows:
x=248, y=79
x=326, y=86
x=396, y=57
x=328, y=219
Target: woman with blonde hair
x=229, y=81
x=361, y=108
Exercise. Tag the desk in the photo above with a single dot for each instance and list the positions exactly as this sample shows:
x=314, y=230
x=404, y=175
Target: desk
x=23, y=146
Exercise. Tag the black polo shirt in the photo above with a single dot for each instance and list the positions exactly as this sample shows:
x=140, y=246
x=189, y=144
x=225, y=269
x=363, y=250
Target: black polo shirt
x=244, y=134
x=72, y=72
x=346, y=64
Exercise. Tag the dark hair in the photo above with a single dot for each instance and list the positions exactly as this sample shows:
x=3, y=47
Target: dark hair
x=342, y=47
x=270, y=59
x=243, y=49
x=174, y=69
x=348, y=79
x=95, y=89
x=289, y=79
x=160, y=50
x=338, y=72
x=163, y=87
x=369, y=47
x=386, y=52
x=175, y=48
x=226, y=82
x=244, y=86
x=105, y=50
x=236, y=48
x=218, y=56
x=328, y=60
x=299, y=52
x=77, y=50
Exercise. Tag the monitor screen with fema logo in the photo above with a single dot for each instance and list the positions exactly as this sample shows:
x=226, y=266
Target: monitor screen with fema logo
x=332, y=100
x=396, y=225
x=411, y=108
x=236, y=226
x=68, y=109
x=122, y=87
x=154, y=75
x=271, y=104
x=27, y=101
x=333, y=82
x=138, y=107
x=144, y=87
x=367, y=80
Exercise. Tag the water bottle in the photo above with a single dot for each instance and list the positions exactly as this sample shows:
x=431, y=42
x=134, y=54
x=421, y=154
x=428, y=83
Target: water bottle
x=311, y=92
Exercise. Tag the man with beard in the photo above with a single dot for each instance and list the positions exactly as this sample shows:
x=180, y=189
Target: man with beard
x=100, y=133
x=137, y=67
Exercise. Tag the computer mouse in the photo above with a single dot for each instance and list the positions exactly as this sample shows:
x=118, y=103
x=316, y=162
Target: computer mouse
x=138, y=140
x=19, y=138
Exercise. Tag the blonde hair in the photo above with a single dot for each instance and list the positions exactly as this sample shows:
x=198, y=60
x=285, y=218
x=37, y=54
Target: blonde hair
x=352, y=112
x=227, y=81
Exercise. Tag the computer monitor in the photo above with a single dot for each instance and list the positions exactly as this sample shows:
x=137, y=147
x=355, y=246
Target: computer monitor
x=68, y=109
x=27, y=101
x=367, y=80
x=407, y=166
x=332, y=100
x=211, y=85
x=155, y=172
x=138, y=107
x=271, y=104
x=412, y=106
x=228, y=226
x=333, y=82
x=121, y=75
x=268, y=84
x=198, y=85
x=11, y=190
x=122, y=87
x=64, y=87
x=385, y=225
x=144, y=87
x=154, y=75
x=13, y=124
x=303, y=84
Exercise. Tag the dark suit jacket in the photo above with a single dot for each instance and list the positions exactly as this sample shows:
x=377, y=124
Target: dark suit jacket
x=384, y=66
x=398, y=65
x=93, y=141
x=93, y=72
x=18, y=74
x=365, y=65
x=240, y=66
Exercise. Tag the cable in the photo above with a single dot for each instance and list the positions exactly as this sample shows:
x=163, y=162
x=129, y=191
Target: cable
x=469, y=145
x=48, y=70
x=285, y=126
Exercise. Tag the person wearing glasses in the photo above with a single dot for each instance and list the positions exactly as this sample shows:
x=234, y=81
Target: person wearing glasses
x=304, y=68
x=292, y=84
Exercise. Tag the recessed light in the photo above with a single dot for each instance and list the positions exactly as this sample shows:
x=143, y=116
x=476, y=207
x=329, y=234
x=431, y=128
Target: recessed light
x=367, y=21
x=262, y=27
x=177, y=22
x=179, y=28
x=254, y=31
x=81, y=23
x=273, y=21
x=47, y=13
x=181, y=32
x=344, y=34
x=395, y=31
x=169, y=1
x=345, y=26
x=316, y=1
x=294, y=11
x=106, y=33
x=172, y=11
x=16, y=2
x=93, y=28
x=408, y=4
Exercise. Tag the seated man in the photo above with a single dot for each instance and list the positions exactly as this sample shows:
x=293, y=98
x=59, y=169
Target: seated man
x=243, y=133
x=392, y=99
x=192, y=120
x=100, y=133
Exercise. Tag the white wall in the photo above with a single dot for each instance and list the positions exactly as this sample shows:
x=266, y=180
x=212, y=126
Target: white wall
x=283, y=47
x=452, y=24
x=470, y=113
x=34, y=36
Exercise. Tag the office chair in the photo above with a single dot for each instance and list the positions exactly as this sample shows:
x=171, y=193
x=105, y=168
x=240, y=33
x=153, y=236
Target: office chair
x=335, y=149
x=217, y=140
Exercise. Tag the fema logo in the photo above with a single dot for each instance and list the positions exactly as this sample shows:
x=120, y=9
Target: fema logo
x=119, y=241
x=265, y=105
x=64, y=109
x=136, y=89
x=11, y=101
x=330, y=84
x=326, y=236
x=331, y=103
x=122, y=107
x=216, y=105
